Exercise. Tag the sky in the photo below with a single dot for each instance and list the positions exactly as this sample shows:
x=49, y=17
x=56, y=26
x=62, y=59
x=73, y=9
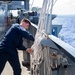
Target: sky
x=61, y=7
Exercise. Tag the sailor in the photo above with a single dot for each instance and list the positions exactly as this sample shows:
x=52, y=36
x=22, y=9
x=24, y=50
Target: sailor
x=11, y=42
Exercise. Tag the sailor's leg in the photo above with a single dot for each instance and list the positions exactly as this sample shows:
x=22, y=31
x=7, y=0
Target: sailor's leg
x=3, y=59
x=14, y=62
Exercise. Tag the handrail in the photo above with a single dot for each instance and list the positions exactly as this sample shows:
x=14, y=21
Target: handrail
x=34, y=25
x=65, y=47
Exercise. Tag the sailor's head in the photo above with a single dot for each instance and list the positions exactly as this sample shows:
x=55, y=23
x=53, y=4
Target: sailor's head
x=25, y=23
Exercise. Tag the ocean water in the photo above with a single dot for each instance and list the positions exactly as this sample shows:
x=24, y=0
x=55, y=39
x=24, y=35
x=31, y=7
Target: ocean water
x=67, y=33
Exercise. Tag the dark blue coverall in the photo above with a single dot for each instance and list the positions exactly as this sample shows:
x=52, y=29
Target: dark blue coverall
x=9, y=45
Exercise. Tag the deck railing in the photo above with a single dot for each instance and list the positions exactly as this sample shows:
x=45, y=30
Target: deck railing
x=61, y=55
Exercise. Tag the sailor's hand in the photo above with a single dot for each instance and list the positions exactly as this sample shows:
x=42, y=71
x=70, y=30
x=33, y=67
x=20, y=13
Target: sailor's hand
x=29, y=50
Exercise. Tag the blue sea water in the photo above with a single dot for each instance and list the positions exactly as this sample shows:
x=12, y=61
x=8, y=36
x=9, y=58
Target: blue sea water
x=67, y=33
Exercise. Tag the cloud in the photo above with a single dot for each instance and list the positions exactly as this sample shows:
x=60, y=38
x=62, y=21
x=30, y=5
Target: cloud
x=66, y=7
x=36, y=3
x=60, y=7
